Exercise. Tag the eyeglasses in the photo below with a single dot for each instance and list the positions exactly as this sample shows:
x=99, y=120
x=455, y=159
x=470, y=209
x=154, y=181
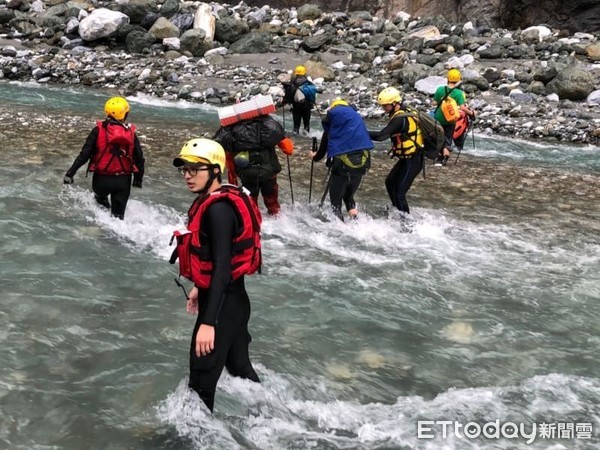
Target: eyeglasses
x=193, y=171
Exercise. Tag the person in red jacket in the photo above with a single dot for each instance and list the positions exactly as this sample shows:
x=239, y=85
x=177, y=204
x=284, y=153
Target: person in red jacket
x=220, y=245
x=250, y=147
x=115, y=155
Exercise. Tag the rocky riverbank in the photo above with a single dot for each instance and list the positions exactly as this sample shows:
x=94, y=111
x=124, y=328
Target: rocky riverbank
x=533, y=83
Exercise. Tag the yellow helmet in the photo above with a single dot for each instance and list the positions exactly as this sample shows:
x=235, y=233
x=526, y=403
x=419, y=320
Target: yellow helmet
x=389, y=96
x=116, y=107
x=338, y=102
x=300, y=71
x=201, y=151
x=454, y=76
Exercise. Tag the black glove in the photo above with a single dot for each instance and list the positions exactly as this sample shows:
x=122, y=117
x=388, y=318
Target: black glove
x=137, y=183
x=67, y=180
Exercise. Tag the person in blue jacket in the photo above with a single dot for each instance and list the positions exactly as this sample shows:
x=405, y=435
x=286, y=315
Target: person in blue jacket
x=348, y=147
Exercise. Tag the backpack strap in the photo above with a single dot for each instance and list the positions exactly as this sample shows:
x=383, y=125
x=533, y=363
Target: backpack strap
x=444, y=97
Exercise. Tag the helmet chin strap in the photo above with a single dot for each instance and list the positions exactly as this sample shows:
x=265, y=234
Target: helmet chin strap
x=211, y=179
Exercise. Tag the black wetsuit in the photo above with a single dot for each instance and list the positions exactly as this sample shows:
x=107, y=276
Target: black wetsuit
x=404, y=172
x=343, y=180
x=118, y=187
x=224, y=305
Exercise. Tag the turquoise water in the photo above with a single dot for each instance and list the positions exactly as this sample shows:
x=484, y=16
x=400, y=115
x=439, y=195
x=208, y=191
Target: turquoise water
x=486, y=309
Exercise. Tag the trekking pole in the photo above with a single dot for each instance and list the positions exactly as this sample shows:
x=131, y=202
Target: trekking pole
x=312, y=166
x=290, y=177
x=326, y=189
x=283, y=116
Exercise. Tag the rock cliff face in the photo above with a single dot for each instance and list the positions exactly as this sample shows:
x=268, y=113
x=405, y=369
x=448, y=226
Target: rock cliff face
x=574, y=15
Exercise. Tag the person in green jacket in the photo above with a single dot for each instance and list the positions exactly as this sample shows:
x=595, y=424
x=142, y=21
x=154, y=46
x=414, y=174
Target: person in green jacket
x=453, y=92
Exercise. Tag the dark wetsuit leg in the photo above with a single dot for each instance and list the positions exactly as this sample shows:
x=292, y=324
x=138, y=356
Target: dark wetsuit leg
x=342, y=186
x=400, y=179
x=119, y=189
x=231, y=346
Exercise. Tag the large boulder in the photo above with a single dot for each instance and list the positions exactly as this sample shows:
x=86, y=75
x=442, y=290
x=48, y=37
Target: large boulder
x=593, y=52
x=136, y=10
x=137, y=40
x=162, y=29
x=101, y=23
x=183, y=21
x=317, y=69
x=319, y=40
x=230, y=30
x=573, y=83
x=251, y=43
x=169, y=8
x=411, y=73
x=195, y=42
x=309, y=12
x=204, y=20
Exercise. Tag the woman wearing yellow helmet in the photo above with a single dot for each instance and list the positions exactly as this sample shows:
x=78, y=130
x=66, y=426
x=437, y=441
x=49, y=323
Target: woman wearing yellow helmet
x=451, y=103
x=115, y=157
x=407, y=142
x=220, y=246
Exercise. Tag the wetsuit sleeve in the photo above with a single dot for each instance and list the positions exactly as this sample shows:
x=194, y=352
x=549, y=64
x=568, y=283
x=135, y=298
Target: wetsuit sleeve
x=219, y=227
x=396, y=125
x=88, y=149
x=322, y=147
x=139, y=161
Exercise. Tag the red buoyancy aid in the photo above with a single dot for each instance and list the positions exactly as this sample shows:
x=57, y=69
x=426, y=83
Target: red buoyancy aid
x=114, y=149
x=194, y=256
x=462, y=125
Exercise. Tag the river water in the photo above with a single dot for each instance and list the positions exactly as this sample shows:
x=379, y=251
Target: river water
x=484, y=308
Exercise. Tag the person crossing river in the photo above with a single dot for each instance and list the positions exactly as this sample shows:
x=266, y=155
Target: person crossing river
x=407, y=140
x=347, y=144
x=115, y=156
x=220, y=245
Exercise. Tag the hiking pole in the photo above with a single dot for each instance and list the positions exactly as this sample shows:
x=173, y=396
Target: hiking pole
x=326, y=189
x=283, y=116
x=312, y=166
x=290, y=177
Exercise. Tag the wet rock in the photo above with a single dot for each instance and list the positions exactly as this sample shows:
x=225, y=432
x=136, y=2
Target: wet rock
x=162, y=29
x=194, y=41
x=230, y=29
x=573, y=83
x=101, y=23
x=137, y=41
x=309, y=12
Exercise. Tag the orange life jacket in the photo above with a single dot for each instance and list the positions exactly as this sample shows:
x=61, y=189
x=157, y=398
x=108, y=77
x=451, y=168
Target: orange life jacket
x=195, y=263
x=114, y=149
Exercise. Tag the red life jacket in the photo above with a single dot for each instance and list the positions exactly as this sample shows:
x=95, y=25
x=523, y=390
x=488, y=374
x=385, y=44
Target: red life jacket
x=462, y=125
x=195, y=263
x=114, y=149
